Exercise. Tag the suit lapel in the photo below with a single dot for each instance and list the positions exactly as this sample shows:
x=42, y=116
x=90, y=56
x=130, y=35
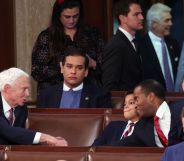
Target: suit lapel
x=58, y=95
x=172, y=55
x=126, y=40
x=85, y=97
x=146, y=126
x=130, y=47
x=1, y=109
x=153, y=56
x=121, y=130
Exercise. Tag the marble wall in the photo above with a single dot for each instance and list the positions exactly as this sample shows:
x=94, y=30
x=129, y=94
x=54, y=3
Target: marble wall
x=31, y=17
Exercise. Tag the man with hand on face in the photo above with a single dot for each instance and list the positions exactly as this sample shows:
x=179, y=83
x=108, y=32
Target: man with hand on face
x=14, y=90
x=74, y=92
x=130, y=133
x=118, y=130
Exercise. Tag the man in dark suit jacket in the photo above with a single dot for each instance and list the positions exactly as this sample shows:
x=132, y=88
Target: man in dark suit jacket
x=175, y=153
x=14, y=87
x=15, y=135
x=74, y=69
x=151, y=47
x=91, y=97
x=121, y=63
x=150, y=96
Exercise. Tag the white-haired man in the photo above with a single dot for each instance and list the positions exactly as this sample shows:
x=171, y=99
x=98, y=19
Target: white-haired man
x=14, y=90
x=160, y=52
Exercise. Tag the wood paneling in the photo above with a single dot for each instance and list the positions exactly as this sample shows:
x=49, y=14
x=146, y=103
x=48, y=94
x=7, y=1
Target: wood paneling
x=95, y=15
x=6, y=34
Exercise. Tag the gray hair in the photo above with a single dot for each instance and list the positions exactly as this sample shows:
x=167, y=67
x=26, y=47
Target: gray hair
x=10, y=75
x=155, y=12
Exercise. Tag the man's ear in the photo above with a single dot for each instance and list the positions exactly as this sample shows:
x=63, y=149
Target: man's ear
x=6, y=88
x=86, y=72
x=154, y=24
x=151, y=96
x=122, y=19
x=61, y=67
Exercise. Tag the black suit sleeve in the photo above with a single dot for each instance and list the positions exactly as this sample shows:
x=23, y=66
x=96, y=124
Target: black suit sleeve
x=14, y=135
x=111, y=66
x=143, y=135
x=103, y=138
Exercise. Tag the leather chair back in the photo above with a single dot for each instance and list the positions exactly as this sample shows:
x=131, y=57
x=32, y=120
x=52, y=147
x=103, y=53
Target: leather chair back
x=77, y=129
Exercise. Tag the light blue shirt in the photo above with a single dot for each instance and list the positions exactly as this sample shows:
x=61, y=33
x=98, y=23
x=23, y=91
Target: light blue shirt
x=71, y=97
x=156, y=41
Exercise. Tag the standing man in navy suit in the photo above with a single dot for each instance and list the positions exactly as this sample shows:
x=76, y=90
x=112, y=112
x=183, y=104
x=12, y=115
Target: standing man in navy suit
x=150, y=100
x=121, y=63
x=14, y=90
x=74, y=92
x=157, y=42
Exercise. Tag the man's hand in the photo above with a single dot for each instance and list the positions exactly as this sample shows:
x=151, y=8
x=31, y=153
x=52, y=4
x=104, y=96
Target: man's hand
x=53, y=141
x=92, y=62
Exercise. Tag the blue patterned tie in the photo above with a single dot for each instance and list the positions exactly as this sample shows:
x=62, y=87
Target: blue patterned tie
x=167, y=72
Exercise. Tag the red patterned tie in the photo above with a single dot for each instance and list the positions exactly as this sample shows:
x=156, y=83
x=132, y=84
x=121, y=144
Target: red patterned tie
x=131, y=125
x=161, y=135
x=10, y=118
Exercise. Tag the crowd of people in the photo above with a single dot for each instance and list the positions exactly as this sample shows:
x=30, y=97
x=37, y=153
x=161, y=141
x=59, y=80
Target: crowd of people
x=75, y=69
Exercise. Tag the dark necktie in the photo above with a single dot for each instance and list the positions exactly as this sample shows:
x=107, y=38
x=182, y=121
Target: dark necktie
x=167, y=72
x=135, y=44
x=10, y=118
x=161, y=135
x=131, y=125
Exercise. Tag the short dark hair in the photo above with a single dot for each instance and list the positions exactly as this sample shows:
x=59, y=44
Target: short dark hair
x=72, y=51
x=122, y=7
x=150, y=85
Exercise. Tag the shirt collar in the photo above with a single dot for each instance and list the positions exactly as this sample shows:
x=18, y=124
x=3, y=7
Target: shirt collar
x=6, y=106
x=79, y=87
x=161, y=110
x=154, y=37
x=127, y=34
x=129, y=122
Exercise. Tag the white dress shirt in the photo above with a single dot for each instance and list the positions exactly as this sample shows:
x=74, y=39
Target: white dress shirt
x=129, y=36
x=6, y=108
x=164, y=114
x=79, y=87
x=156, y=41
x=127, y=127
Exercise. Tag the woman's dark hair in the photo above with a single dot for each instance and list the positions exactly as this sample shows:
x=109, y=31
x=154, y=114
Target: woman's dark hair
x=56, y=29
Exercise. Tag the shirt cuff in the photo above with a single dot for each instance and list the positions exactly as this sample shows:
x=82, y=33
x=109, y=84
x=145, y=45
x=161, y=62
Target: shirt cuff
x=37, y=138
